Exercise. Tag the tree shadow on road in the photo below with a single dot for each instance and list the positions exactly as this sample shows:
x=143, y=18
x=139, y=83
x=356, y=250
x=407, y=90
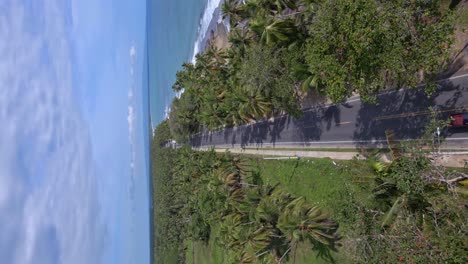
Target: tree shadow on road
x=264, y=131
x=309, y=127
x=331, y=114
x=406, y=113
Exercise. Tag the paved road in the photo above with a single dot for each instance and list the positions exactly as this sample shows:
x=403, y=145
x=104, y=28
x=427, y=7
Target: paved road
x=354, y=123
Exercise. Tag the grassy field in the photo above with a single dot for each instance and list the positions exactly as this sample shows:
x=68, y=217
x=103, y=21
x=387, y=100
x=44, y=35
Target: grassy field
x=198, y=252
x=318, y=180
x=321, y=181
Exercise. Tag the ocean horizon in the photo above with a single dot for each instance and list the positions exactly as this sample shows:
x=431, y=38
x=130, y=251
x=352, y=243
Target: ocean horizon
x=176, y=30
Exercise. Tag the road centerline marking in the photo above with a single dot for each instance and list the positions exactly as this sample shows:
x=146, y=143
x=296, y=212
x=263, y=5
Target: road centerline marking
x=461, y=108
x=344, y=123
x=336, y=124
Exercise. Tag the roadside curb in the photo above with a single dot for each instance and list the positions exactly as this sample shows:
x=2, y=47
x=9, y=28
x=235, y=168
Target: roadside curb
x=292, y=153
x=447, y=159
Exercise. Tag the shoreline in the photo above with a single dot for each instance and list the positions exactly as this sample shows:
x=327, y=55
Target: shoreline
x=216, y=29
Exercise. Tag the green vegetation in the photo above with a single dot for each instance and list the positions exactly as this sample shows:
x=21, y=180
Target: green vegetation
x=433, y=231
x=223, y=208
x=168, y=244
x=349, y=190
x=222, y=198
x=281, y=50
x=361, y=45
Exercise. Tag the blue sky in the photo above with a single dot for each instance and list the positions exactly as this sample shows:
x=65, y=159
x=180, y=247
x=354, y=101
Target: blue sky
x=73, y=186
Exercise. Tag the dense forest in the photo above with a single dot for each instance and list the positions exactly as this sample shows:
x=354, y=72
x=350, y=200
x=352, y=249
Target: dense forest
x=283, y=50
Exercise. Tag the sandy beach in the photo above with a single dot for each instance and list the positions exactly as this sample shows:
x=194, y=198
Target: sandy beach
x=219, y=38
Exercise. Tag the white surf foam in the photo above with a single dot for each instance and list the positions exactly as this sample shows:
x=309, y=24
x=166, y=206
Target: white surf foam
x=167, y=111
x=204, y=25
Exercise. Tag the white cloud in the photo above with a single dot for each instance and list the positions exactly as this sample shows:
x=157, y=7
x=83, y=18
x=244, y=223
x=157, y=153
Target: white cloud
x=131, y=109
x=131, y=116
x=49, y=206
x=132, y=52
x=130, y=94
x=130, y=120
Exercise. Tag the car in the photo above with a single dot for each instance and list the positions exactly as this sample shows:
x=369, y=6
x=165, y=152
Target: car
x=459, y=120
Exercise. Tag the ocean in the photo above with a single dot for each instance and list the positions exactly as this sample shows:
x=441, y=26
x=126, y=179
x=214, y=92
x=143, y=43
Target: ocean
x=176, y=31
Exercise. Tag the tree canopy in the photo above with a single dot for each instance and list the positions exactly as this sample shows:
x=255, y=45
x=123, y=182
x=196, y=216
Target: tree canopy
x=281, y=49
x=365, y=46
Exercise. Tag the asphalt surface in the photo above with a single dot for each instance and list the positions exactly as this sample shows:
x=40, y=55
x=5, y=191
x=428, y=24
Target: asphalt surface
x=354, y=123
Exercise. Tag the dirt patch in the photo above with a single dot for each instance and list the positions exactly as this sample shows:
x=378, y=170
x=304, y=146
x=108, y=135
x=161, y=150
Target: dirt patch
x=453, y=161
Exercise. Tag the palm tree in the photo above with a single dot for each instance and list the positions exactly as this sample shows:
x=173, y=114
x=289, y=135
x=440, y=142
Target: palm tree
x=280, y=31
x=274, y=7
x=301, y=222
x=231, y=232
x=268, y=5
x=252, y=7
x=313, y=82
x=261, y=239
x=263, y=222
x=232, y=104
x=234, y=10
x=217, y=57
x=203, y=62
x=389, y=191
x=240, y=37
x=233, y=170
x=255, y=105
x=233, y=116
x=243, y=107
x=284, y=4
x=249, y=105
x=261, y=206
x=183, y=77
x=257, y=27
x=210, y=116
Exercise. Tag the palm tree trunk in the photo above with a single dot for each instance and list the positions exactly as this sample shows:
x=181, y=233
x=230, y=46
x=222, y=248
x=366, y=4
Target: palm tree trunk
x=289, y=15
x=285, y=253
x=261, y=254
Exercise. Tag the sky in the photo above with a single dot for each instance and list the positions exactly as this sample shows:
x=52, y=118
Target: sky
x=73, y=171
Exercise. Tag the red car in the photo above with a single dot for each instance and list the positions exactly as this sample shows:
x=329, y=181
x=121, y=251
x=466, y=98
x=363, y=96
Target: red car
x=459, y=120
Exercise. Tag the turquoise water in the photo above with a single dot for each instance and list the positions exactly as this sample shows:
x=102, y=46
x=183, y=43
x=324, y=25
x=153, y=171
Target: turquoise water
x=176, y=30
x=173, y=27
